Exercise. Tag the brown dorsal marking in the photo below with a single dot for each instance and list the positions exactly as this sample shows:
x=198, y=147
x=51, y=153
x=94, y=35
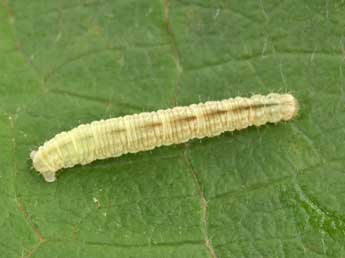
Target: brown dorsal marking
x=152, y=125
x=118, y=130
x=184, y=119
x=239, y=109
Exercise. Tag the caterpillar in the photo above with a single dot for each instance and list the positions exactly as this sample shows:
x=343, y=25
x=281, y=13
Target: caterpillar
x=145, y=131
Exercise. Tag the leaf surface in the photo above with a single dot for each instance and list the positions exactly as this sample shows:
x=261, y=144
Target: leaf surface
x=273, y=191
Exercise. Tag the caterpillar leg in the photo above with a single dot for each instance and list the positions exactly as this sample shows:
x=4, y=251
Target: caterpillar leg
x=49, y=176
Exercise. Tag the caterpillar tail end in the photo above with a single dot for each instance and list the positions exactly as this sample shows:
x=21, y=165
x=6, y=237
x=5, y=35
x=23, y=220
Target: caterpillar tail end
x=41, y=167
x=32, y=155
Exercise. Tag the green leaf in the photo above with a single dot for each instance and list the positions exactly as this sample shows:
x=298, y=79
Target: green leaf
x=273, y=191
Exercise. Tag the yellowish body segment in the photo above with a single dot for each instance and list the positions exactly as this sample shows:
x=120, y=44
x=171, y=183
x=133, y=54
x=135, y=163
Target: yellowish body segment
x=145, y=131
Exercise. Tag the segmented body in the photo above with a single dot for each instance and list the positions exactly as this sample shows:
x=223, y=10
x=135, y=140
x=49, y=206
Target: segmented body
x=145, y=131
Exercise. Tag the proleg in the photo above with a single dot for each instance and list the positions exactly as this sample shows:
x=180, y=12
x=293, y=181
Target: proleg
x=145, y=131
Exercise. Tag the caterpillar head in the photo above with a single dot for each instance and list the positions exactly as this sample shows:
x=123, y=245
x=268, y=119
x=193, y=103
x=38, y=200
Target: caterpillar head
x=286, y=109
x=290, y=106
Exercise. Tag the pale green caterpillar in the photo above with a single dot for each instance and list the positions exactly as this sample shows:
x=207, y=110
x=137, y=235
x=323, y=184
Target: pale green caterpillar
x=145, y=131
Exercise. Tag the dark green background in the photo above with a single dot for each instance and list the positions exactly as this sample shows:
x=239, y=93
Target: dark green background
x=275, y=191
